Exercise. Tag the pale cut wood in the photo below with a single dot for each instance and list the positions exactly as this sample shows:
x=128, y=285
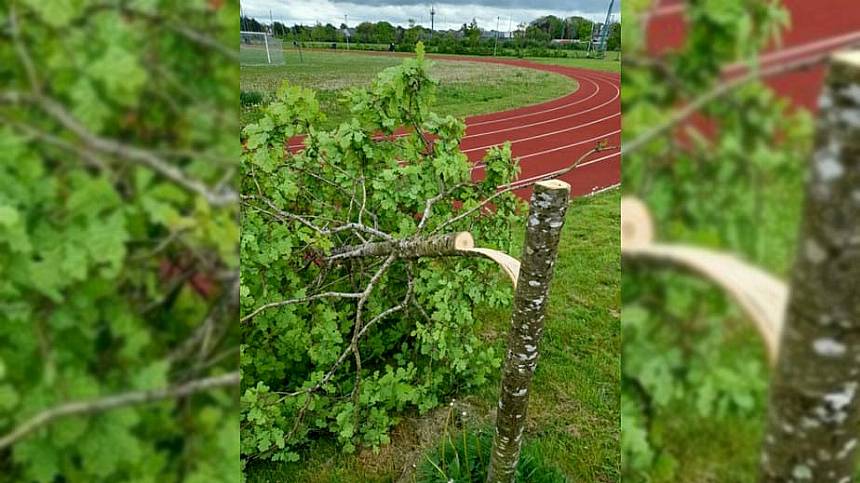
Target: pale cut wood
x=761, y=296
x=508, y=264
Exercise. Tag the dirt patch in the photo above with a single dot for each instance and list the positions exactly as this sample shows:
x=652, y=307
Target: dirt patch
x=414, y=436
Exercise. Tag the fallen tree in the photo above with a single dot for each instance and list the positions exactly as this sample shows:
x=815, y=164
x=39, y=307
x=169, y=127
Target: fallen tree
x=360, y=271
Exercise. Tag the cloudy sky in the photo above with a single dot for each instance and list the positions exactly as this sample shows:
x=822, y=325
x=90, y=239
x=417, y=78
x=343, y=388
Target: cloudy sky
x=449, y=13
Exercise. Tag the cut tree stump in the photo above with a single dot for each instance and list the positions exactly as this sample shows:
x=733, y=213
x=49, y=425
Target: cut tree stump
x=814, y=412
x=547, y=208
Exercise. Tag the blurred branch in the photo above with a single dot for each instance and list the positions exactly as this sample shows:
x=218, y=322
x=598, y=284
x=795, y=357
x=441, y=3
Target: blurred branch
x=47, y=138
x=21, y=51
x=717, y=92
x=208, y=334
x=127, y=152
x=271, y=305
x=116, y=401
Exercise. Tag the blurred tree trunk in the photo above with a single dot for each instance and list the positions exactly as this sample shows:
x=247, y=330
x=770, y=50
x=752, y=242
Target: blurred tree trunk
x=813, y=418
x=546, y=217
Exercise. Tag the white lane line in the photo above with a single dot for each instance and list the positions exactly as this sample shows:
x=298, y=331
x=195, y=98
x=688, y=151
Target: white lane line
x=596, y=91
x=558, y=148
x=537, y=136
x=538, y=176
x=665, y=10
x=522, y=126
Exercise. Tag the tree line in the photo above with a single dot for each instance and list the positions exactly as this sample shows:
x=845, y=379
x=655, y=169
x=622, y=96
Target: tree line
x=537, y=33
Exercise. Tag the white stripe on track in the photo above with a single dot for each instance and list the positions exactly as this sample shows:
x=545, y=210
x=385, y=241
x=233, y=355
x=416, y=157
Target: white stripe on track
x=522, y=126
x=536, y=136
x=537, y=176
x=557, y=148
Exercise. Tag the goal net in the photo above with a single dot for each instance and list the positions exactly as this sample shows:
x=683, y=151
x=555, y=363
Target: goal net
x=260, y=48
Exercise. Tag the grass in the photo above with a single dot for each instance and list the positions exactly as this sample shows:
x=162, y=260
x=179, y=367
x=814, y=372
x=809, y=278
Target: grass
x=574, y=415
x=464, y=456
x=609, y=64
x=466, y=88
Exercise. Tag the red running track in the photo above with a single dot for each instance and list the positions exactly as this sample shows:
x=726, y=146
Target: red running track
x=552, y=135
x=817, y=27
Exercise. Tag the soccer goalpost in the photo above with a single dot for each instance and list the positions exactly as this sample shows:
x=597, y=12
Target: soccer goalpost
x=254, y=44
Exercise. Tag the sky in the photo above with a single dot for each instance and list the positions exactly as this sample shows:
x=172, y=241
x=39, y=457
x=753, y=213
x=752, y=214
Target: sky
x=449, y=15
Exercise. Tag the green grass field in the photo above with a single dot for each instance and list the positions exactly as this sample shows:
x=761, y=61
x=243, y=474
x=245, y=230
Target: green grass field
x=465, y=88
x=574, y=415
x=610, y=64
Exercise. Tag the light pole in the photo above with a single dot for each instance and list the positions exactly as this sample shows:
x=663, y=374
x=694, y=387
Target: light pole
x=496, y=43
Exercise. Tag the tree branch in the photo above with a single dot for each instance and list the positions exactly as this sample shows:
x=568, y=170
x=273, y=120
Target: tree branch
x=116, y=401
x=270, y=305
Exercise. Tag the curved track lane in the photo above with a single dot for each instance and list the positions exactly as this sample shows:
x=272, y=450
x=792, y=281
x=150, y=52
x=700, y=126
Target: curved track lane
x=551, y=135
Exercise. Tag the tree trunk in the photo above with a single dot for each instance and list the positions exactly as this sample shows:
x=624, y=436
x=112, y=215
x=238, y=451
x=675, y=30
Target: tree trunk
x=813, y=413
x=546, y=217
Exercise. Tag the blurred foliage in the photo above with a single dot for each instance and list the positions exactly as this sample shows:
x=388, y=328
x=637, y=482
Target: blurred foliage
x=729, y=179
x=411, y=358
x=114, y=274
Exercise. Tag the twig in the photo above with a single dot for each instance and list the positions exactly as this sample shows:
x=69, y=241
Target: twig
x=358, y=330
x=360, y=333
x=345, y=295
x=514, y=186
x=320, y=231
x=21, y=51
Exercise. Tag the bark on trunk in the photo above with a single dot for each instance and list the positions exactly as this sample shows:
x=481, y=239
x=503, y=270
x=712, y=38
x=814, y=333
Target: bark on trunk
x=813, y=413
x=546, y=217
x=438, y=246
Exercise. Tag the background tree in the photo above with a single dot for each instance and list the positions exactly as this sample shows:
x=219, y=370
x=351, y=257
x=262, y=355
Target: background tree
x=472, y=33
x=365, y=32
x=384, y=33
x=613, y=41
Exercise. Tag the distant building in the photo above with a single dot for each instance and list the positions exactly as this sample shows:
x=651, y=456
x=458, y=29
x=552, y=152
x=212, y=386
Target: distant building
x=491, y=34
